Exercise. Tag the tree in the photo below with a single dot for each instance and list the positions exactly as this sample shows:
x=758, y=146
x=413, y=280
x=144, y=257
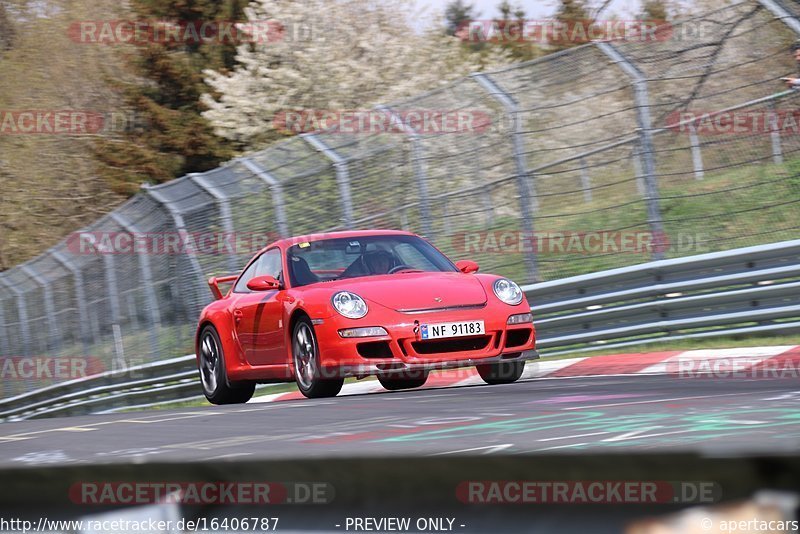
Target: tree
x=521, y=49
x=505, y=10
x=657, y=10
x=359, y=53
x=50, y=182
x=170, y=137
x=457, y=14
x=574, y=16
x=7, y=31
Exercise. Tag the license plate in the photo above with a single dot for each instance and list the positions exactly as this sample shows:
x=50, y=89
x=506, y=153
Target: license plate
x=458, y=329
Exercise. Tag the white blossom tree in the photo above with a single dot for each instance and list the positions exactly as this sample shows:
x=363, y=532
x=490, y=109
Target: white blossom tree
x=333, y=54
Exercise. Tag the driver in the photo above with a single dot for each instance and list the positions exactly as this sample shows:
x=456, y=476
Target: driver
x=378, y=261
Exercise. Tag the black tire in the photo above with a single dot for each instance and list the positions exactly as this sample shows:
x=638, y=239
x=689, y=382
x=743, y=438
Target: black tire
x=213, y=378
x=305, y=358
x=501, y=373
x=403, y=380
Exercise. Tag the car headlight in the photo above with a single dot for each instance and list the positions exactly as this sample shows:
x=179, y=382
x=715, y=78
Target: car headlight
x=507, y=291
x=349, y=304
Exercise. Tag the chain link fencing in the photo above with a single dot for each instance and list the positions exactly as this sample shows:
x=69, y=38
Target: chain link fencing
x=601, y=156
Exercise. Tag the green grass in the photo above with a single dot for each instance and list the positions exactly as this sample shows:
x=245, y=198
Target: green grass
x=730, y=208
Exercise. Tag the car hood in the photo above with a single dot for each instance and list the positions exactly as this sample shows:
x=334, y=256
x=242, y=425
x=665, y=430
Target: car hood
x=417, y=291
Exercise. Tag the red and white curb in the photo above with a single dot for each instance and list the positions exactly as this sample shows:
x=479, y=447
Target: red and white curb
x=751, y=362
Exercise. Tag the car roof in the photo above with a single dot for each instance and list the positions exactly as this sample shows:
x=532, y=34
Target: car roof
x=290, y=241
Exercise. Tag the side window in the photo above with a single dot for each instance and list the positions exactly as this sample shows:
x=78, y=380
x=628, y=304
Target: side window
x=269, y=263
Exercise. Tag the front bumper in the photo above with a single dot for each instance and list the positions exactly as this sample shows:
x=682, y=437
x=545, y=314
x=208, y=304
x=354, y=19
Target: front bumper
x=402, y=349
x=366, y=369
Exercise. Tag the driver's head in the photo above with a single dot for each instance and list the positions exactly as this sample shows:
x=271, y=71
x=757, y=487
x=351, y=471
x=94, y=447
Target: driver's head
x=378, y=261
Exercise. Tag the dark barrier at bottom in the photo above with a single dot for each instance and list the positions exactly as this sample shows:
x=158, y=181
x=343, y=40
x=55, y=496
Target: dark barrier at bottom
x=545, y=493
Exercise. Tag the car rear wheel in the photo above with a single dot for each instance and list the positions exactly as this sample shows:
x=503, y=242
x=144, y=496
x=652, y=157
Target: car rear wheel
x=501, y=373
x=213, y=377
x=307, y=370
x=403, y=380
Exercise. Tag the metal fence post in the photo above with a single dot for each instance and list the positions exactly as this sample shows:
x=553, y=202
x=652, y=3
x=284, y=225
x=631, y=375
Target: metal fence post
x=80, y=296
x=112, y=287
x=22, y=313
x=478, y=175
x=652, y=197
x=147, y=282
x=525, y=183
x=697, y=154
x=775, y=135
x=342, y=175
x=277, y=194
x=49, y=306
x=638, y=172
x=4, y=330
x=180, y=226
x=418, y=165
x=448, y=227
x=586, y=182
x=224, y=210
x=781, y=13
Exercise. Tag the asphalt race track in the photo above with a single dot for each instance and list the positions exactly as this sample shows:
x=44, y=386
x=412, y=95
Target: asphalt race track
x=576, y=415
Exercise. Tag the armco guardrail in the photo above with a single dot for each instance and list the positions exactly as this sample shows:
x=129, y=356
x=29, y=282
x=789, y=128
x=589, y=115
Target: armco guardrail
x=165, y=381
x=744, y=291
x=747, y=290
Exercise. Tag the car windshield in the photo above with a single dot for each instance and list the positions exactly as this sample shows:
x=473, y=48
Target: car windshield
x=334, y=259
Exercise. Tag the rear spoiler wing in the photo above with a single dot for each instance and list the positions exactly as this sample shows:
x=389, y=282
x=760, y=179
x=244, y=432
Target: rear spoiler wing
x=214, y=282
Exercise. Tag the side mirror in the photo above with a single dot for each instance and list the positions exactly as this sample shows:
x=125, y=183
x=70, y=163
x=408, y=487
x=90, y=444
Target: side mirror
x=263, y=283
x=467, y=266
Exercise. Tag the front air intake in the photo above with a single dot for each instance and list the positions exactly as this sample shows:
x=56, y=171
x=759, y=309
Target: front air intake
x=441, y=346
x=374, y=349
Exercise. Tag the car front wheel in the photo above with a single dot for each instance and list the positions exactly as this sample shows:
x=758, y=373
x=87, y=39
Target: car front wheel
x=212, y=373
x=307, y=369
x=501, y=373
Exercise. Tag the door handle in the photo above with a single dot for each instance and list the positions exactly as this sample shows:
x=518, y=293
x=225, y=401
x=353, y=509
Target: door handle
x=237, y=316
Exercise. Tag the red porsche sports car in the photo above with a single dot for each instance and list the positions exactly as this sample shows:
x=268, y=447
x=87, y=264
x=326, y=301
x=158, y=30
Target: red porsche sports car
x=319, y=308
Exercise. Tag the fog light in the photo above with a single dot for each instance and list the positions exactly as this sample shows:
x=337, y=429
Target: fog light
x=521, y=318
x=366, y=331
